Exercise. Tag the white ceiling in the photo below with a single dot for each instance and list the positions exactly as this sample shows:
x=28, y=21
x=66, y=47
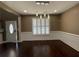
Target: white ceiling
x=32, y=8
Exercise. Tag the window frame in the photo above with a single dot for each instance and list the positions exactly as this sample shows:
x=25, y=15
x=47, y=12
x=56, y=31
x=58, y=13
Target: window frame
x=41, y=26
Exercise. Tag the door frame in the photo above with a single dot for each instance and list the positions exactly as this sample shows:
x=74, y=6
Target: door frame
x=17, y=32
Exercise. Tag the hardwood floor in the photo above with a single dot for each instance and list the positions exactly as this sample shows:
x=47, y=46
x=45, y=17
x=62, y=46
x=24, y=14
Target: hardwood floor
x=44, y=48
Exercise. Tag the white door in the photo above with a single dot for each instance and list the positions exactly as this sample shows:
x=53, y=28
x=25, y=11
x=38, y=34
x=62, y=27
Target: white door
x=11, y=31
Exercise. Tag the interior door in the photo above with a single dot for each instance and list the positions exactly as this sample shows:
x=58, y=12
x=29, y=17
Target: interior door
x=11, y=31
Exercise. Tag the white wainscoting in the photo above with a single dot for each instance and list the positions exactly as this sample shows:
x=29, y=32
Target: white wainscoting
x=68, y=38
x=28, y=36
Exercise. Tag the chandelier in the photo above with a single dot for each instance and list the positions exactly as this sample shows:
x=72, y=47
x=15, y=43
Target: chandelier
x=44, y=15
x=42, y=2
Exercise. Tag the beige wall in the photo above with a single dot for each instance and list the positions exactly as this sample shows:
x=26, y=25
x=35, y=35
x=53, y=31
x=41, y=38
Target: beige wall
x=26, y=23
x=70, y=20
x=55, y=22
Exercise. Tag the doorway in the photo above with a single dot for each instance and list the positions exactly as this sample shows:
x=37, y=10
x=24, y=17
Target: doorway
x=11, y=31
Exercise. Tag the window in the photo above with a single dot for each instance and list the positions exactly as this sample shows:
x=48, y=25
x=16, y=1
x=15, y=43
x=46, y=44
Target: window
x=11, y=28
x=40, y=26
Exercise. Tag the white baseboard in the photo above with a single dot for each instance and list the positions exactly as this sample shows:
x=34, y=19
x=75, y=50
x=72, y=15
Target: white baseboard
x=8, y=42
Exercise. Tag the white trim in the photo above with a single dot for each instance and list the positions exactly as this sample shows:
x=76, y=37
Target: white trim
x=19, y=27
x=70, y=39
x=28, y=36
x=8, y=42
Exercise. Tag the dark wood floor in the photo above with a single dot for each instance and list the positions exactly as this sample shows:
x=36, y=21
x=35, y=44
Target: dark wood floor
x=47, y=48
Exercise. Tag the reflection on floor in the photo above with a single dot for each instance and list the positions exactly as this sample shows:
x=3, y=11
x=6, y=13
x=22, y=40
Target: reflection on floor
x=47, y=48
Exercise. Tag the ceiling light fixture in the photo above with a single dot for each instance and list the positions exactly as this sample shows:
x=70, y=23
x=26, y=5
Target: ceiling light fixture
x=44, y=15
x=42, y=2
x=40, y=16
x=25, y=11
x=38, y=3
x=55, y=10
x=36, y=14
